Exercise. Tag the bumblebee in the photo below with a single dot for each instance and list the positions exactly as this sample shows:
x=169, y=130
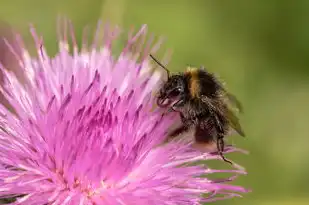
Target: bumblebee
x=203, y=104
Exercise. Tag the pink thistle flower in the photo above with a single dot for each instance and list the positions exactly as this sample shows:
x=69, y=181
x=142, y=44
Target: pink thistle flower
x=85, y=131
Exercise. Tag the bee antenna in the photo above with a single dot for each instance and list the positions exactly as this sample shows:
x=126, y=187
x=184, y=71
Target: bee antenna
x=160, y=64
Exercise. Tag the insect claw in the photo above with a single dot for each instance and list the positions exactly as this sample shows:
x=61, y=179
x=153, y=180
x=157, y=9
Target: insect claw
x=224, y=159
x=220, y=147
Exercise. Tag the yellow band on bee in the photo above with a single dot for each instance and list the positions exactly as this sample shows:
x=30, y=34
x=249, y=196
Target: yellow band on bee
x=194, y=85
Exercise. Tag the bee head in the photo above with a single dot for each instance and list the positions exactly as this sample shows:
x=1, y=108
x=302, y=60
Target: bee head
x=171, y=91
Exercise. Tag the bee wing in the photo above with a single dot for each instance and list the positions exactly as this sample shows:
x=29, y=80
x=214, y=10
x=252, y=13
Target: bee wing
x=218, y=106
x=233, y=101
x=233, y=119
x=234, y=122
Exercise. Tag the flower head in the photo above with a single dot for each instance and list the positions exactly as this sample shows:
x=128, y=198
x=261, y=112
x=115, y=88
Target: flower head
x=85, y=131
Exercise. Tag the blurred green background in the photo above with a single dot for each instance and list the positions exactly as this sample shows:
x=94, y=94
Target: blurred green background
x=259, y=48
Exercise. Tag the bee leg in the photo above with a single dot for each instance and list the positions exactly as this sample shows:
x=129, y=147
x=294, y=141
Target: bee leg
x=220, y=146
x=178, y=131
x=220, y=140
x=183, y=128
x=177, y=105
